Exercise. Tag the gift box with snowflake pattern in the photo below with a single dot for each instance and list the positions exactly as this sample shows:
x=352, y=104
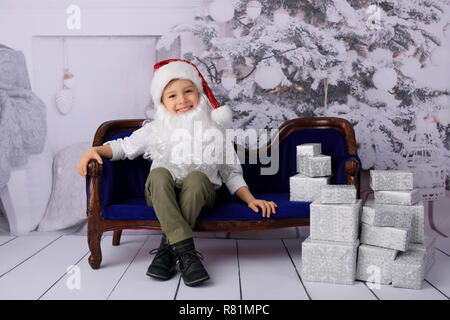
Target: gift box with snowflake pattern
x=375, y=214
x=340, y=193
x=396, y=216
x=375, y=264
x=309, y=149
x=428, y=247
x=329, y=261
x=314, y=166
x=303, y=188
x=411, y=267
x=407, y=198
x=392, y=180
x=386, y=237
x=334, y=222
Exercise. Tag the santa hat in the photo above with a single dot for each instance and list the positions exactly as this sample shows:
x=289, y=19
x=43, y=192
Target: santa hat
x=168, y=70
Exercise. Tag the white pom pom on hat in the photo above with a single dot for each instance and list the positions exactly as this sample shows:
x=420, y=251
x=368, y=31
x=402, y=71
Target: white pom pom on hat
x=167, y=70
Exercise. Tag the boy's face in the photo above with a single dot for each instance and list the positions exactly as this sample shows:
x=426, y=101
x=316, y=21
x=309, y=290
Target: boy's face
x=180, y=96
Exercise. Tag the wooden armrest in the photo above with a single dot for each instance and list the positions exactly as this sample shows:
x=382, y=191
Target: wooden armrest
x=113, y=126
x=352, y=169
x=94, y=169
x=94, y=173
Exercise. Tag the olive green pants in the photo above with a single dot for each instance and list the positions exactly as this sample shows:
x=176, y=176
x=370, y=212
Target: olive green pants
x=177, y=209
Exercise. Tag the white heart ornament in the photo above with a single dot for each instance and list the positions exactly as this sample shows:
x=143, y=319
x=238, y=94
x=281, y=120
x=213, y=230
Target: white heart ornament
x=64, y=101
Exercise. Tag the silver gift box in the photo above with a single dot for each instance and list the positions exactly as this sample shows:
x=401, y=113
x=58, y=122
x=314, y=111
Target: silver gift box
x=375, y=264
x=303, y=188
x=334, y=222
x=381, y=215
x=309, y=149
x=339, y=193
x=428, y=247
x=329, y=261
x=393, y=180
x=314, y=166
x=407, y=198
x=396, y=216
x=386, y=237
x=409, y=269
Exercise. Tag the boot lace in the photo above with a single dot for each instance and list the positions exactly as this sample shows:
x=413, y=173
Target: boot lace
x=160, y=252
x=188, y=258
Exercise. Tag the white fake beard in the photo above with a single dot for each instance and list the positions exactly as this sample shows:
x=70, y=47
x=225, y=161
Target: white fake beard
x=174, y=137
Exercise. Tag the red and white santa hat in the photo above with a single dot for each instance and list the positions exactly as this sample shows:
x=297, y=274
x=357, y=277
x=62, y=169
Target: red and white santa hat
x=168, y=70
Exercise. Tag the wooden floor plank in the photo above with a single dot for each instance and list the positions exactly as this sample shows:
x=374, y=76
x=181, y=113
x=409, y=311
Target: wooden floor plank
x=327, y=291
x=15, y=252
x=136, y=285
x=98, y=284
x=4, y=239
x=443, y=244
x=389, y=292
x=439, y=274
x=267, y=271
x=220, y=260
x=32, y=278
x=36, y=265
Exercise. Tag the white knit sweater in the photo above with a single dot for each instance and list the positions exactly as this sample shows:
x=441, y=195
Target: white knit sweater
x=138, y=144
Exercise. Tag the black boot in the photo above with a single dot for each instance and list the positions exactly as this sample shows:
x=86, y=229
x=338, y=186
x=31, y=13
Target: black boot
x=191, y=267
x=163, y=264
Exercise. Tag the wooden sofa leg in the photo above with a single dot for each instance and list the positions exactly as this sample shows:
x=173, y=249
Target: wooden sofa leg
x=94, y=239
x=116, y=237
x=95, y=259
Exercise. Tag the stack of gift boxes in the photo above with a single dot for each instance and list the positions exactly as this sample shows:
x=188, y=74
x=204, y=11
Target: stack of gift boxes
x=393, y=246
x=313, y=171
x=329, y=253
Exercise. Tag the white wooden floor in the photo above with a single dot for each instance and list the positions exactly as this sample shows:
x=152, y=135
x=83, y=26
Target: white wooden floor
x=36, y=267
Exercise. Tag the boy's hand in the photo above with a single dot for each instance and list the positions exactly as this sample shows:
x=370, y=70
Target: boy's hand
x=268, y=207
x=83, y=162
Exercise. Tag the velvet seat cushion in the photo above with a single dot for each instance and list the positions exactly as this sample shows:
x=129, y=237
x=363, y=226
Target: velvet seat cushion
x=122, y=182
x=232, y=209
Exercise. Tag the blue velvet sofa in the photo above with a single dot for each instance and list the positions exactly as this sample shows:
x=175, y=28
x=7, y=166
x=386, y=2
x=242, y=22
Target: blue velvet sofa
x=115, y=190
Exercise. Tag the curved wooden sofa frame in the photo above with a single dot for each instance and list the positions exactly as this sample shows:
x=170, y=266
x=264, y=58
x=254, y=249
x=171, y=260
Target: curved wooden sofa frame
x=97, y=225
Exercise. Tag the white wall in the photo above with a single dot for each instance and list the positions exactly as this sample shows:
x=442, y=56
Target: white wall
x=112, y=78
x=111, y=56
x=112, y=73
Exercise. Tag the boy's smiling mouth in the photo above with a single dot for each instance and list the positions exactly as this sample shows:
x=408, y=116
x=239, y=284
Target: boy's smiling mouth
x=184, y=109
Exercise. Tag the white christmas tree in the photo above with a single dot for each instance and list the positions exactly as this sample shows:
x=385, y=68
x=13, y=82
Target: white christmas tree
x=376, y=63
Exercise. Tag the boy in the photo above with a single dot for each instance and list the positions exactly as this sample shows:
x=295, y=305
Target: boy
x=179, y=186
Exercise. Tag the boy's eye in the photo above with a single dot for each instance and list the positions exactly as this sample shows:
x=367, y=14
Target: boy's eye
x=189, y=90
x=172, y=96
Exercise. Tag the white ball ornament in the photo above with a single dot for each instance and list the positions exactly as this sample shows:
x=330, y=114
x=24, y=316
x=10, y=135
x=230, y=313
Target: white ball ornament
x=253, y=9
x=440, y=56
x=228, y=80
x=444, y=116
x=411, y=67
x=221, y=10
x=446, y=31
x=281, y=17
x=267, y=77
x=385, y=78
